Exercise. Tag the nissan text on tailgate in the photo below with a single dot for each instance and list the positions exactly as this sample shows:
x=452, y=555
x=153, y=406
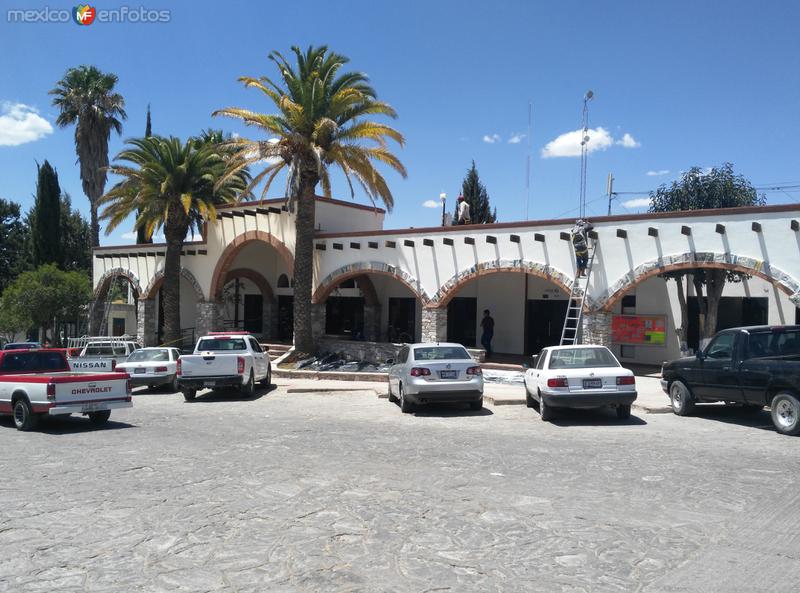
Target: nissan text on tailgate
x=224, y=359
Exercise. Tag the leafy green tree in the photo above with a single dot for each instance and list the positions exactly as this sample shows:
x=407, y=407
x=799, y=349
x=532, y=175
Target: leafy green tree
x=697, y=189
x=176, y=186
x=43, y=298
x=46, y=217
x=13, y=238
x=85, y=97
x=319, y=123
x=76, y=238
x=476, y=196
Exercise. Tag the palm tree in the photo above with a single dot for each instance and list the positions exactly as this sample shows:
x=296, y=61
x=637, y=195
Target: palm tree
x=319, y=123
x=175, y=186
x=86, y=97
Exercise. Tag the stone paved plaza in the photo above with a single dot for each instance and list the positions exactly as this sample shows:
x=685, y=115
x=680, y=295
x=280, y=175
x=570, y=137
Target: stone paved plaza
x=302, y=492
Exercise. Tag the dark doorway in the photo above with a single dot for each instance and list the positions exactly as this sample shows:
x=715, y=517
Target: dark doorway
x=462, y=320
x=285, y=318
x=344, y=316
x=797, y=315
x=402, y=320
x=254, y=313
x=118, y=326
x=733, y=312
x=545, y=322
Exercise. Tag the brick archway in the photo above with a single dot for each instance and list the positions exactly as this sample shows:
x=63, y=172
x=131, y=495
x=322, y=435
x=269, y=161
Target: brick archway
x=359, y=272
x=232, y=250
x=702, y=260
x=155, y=284
x=254, y=277
x=450, y=288
x=105, y=281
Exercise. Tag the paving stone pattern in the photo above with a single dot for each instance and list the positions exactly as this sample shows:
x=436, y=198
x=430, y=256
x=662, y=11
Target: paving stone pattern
x=341, y=492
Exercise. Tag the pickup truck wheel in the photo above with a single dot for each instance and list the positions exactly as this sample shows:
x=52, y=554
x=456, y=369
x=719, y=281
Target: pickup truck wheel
x=681, y=399
x=173, y=385
x=267, y=381
x=249, y=388
x=786, y=413
x=24, y=418
x=101, y=417
x=624, y=411
x=189, y=394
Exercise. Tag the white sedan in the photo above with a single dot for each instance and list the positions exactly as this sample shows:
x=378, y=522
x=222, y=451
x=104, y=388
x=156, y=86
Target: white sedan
x=435, y=373
x=579, y=377
x=152, y=367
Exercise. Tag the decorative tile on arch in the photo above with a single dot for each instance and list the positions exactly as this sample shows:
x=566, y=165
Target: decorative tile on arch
x=450, y=288
x=704, y=260
x=354, y=270
x=158, y=280
x=105, y=280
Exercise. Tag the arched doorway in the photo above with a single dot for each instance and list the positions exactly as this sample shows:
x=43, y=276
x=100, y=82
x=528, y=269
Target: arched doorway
x=151, y=314
x=114, y=308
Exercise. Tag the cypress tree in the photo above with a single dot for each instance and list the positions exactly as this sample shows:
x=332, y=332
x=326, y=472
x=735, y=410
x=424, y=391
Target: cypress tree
x=46, y=217
x=475, y=194
x=148, y=131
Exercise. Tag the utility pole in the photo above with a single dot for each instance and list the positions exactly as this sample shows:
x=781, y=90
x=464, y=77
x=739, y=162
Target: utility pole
x=610, y=188
x=584, y=151
x=528, y=166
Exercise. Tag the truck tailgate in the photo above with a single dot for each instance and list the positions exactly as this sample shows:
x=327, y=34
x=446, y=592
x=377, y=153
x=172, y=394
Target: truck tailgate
x=209, y=365
x=91, y=365
x=83, y=388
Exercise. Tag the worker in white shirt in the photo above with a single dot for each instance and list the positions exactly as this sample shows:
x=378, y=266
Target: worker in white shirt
x=463, y=211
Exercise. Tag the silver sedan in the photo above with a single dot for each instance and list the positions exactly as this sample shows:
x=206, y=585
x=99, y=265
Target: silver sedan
x=435, y=373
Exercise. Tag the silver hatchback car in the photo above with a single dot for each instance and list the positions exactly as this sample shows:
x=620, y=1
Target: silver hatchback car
x=435, y=373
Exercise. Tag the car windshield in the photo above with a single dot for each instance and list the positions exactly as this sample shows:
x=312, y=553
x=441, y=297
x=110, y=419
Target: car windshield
x=105, y=350
x=582, y=358
x=149, y=356
x=441, y=353
x=215, y=344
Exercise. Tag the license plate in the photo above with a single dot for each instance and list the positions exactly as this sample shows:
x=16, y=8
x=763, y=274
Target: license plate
x=209, y=383
x=91, y=407
x=592, y=383
x=448, y=374
x=139, y=371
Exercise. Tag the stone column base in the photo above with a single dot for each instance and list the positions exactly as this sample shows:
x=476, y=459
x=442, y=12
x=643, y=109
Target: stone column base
x=146, y=321
x=209, y=318
x=434, y=325
x=596, y=328
x=372, y=323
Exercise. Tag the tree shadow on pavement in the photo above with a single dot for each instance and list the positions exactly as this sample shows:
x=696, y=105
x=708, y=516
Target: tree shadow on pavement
x=735, y=415
x=232, y=395
x=449, y=411
x=57, y=425
x=596, y=417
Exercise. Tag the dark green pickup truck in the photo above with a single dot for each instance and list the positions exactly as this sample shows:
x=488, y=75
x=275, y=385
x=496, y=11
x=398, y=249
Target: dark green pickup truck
x=749, y=366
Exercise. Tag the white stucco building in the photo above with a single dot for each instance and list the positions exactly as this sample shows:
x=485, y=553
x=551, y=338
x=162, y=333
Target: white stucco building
x=433, y=283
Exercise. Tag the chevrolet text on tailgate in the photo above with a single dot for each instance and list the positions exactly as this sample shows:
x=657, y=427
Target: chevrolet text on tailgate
x=224, y=359
x=39, y=383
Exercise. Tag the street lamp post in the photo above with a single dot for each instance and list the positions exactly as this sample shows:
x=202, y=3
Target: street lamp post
x=443, y=198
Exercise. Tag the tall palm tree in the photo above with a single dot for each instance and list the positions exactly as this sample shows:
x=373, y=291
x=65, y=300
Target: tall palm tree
x=318, y=124
x=86, y=97
x=175, y=186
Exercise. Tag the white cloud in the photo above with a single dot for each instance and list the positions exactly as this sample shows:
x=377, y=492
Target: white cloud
x=569, y=143
x=491, y=138
x=430, y=204
x=657, y=173
x=516, y=138
x=628, y=141
x=130, y=236
x=20, y=123
x=637, y=203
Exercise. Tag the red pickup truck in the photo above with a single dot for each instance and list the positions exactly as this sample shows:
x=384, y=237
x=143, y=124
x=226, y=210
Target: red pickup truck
x=34, y=383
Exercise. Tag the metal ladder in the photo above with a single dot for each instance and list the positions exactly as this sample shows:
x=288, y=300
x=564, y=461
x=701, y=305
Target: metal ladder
x=101, y=331
x=572, y=321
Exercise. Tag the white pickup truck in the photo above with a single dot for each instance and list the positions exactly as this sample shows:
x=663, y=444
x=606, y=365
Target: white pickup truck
x=39, y=383
x=101, y=354
x=224, y=359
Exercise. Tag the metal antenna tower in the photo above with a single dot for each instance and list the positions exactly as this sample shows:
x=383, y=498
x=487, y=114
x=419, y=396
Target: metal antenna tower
x=528, y=167
x=584, y=151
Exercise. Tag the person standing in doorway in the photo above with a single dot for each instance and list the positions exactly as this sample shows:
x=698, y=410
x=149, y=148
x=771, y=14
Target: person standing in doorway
x=463, y=211
x=487, y=325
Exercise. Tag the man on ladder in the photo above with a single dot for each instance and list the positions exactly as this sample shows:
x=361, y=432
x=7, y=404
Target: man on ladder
x=580, y=241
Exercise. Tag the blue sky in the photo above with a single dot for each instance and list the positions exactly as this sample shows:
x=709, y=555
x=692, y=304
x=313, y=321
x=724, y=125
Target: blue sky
x=690, y=83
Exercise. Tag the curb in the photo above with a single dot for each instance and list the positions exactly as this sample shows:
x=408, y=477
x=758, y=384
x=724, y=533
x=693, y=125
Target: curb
x=331, y=375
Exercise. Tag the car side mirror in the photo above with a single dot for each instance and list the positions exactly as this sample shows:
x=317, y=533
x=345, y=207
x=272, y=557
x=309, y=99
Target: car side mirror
x=390, y=361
